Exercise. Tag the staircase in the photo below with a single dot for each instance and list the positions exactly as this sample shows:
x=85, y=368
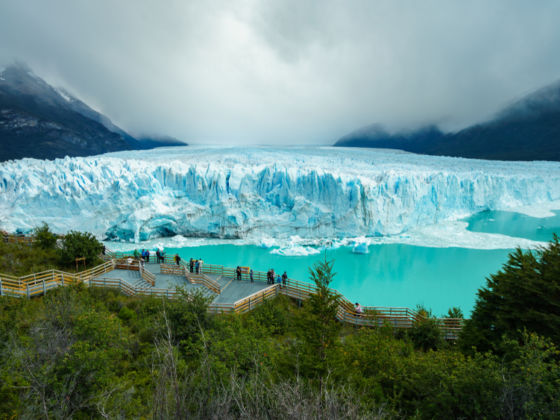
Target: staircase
x=141, y=284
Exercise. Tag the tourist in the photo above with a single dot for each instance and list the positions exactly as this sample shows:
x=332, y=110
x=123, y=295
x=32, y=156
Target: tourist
x=197, y=266
x=359, y=309
x=157, y=255
x=200, y=262
x=141, y=265
x=269, y=277
x=278, y=279
x=284, y=279
x=136, y=255
x=177, y=259
x=148, y=256
x=251, y=275
x=191, y=265
x=238, y=271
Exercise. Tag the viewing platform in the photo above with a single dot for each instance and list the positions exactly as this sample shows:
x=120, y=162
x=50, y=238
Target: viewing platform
x=226, y=294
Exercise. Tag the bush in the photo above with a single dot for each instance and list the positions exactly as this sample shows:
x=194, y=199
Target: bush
x=80, y=245
x=44, y=238
x=426, y=333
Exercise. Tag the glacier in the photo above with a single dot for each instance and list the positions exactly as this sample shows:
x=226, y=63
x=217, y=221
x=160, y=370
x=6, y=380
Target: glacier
x=260, y=194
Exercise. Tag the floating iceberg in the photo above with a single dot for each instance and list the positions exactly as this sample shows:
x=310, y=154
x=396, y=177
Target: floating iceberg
x=259, y=193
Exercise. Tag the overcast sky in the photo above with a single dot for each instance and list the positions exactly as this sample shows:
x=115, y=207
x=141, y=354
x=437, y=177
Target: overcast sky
x=292, y=72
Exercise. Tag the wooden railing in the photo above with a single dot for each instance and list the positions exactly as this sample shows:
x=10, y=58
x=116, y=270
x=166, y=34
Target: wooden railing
x=10, y=238
x=176, y=270
x=252, y=301
x=39, y=283
x=148, y=277
x=204, y=280
x=370, y=315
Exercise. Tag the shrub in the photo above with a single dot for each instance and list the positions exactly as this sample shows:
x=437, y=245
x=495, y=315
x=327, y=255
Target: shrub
x=44, y=238
x=426, y=333
x=80, y=245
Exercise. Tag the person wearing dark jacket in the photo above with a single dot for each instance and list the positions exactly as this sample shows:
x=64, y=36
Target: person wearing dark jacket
x=238, y=271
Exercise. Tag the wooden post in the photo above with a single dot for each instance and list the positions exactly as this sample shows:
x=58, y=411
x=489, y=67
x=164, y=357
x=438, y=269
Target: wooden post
x=1, y=293
x=62, y=277
x=27, y=284
x=44, y=288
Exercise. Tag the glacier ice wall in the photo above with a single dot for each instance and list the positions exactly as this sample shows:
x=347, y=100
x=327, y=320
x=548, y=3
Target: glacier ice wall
x=256, y=192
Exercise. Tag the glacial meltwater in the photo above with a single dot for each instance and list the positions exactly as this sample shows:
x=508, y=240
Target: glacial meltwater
x=394, y=274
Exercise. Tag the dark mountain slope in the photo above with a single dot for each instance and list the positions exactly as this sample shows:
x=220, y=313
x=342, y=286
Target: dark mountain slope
x=527, y=130
x=37, y=120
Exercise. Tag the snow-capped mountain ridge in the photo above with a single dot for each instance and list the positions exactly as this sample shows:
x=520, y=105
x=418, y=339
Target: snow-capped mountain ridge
x=254, y=193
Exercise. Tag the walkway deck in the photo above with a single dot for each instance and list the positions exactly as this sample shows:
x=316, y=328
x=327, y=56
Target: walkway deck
x=232, y=290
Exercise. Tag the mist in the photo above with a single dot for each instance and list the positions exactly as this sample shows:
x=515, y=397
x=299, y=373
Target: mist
x=290, y=72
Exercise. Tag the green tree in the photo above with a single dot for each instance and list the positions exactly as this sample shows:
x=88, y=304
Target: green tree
x=426, y=333
x=80, y=245
x=455, y=312
x=45, y=239
x=320, y=327
x=524, y=294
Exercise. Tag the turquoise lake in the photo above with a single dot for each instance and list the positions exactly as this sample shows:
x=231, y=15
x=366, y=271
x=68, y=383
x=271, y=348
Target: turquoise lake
x=396, y=274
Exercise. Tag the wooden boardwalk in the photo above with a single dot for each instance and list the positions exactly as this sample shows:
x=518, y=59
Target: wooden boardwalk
x=219, y=283
x=231, y=290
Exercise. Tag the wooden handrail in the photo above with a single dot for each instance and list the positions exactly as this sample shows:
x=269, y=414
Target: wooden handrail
x=39, y=283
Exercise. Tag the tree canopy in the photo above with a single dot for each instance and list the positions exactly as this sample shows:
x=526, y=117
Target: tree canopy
x=523, y=295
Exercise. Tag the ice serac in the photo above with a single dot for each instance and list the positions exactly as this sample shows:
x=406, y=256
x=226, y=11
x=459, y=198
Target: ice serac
x=253, y=193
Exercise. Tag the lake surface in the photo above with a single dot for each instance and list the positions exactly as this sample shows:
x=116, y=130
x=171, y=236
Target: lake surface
x=515, y=224
x=396, y=274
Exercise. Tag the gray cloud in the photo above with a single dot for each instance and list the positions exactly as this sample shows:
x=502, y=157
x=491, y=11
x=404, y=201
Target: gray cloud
x=286, y=72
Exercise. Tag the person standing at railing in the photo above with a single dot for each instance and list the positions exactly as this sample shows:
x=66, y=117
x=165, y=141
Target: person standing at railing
x=177, y=259
x=251, y=275
x=359, y=310
x=197, y=266
x=200, y=262
x=191, y=265
x=238, y=271
x=284, y=279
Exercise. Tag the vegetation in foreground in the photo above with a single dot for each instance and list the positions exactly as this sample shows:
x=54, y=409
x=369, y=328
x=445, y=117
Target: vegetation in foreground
x=83, y=353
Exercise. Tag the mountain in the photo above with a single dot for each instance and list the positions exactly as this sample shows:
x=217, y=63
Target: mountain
x=529, y=129
x=40, y=121
x=150, y=142
x=376, y=136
